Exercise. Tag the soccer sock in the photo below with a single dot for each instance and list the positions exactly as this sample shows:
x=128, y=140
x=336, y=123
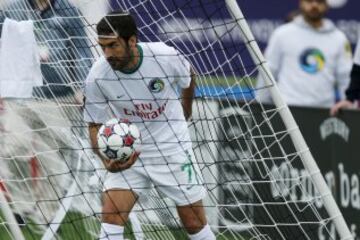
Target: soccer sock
x=136, y=226
x=111, y=232
x=204, y=234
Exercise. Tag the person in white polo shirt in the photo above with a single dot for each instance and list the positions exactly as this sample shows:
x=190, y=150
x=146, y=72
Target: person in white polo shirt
x=141, y=82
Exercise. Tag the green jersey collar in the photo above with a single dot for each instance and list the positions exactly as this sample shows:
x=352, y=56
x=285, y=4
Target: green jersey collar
x=141, y=55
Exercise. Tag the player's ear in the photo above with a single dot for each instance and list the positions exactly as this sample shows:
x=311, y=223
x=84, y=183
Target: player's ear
x=132, y=41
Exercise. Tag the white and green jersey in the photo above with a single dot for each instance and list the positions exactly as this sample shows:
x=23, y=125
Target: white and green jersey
x=147, y=96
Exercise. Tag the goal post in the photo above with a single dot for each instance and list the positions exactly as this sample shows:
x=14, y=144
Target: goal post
x=261, y=179
x=296, y=136
x=10, y=218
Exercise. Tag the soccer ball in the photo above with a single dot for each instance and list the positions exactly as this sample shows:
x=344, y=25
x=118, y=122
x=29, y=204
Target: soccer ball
x=118, y=139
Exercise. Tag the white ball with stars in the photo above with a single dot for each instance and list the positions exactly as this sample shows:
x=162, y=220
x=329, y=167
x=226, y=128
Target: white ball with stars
x=118, y=139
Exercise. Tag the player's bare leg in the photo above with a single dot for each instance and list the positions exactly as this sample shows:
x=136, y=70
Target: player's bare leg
x=117, y=204
x=194, y=220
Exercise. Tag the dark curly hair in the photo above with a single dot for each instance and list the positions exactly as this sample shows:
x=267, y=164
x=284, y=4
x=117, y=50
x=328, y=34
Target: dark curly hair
x=119, y=21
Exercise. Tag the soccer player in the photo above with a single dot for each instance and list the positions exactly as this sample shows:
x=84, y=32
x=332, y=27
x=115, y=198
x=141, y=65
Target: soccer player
x=140, y=82
x=353, y=91
x=309, y=57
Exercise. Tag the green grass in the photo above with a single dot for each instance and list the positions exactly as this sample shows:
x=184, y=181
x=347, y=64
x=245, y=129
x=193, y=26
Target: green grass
x=6, y=235
x=73, y=228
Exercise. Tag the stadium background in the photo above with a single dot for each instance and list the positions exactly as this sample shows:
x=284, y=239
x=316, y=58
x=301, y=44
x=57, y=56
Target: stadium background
x=336, y=155
x=265, y=16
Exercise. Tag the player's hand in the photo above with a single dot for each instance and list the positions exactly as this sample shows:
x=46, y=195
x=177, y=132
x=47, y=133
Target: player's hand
x=79, y=98
x=44, y=53
x=340, y=105
x=117, y=166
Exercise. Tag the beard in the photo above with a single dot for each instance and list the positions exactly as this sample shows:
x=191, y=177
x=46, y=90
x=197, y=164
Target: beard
x=314, y=16
x=120, y=63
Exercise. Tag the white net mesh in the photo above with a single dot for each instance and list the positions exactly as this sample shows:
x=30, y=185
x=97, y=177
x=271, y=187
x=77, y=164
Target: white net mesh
x=256, y=184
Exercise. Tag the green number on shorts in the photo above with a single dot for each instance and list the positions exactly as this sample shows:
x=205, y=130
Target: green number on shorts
x=188, y=167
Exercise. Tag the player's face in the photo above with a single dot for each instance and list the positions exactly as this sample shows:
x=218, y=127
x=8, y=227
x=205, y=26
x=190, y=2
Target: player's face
x=313, y=10
x=116, y=51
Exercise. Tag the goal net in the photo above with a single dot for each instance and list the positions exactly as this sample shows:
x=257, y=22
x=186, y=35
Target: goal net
x=261, y=180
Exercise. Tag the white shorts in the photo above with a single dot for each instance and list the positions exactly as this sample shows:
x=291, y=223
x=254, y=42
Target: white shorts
x=176, y=176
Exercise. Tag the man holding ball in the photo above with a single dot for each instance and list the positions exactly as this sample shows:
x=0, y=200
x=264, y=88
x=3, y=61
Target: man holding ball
x=140, y=82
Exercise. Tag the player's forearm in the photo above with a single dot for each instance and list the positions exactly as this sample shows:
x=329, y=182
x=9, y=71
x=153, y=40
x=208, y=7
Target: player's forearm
x=188, y=97
x=93, y=131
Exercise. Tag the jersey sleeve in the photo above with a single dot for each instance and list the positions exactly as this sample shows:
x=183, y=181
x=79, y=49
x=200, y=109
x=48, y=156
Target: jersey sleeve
x=181, y=65
x=357, y=53
x=273, y=55
x=96, y=108
x=343, y=67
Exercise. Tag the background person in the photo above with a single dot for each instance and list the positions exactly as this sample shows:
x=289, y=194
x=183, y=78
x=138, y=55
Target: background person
x=353, y=90
x=37, y=129
x=65, y=59
x=309, y=58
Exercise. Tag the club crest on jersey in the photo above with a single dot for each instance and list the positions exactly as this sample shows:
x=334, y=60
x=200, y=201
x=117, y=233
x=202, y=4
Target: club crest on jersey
x=312, y=60
x=156, y=85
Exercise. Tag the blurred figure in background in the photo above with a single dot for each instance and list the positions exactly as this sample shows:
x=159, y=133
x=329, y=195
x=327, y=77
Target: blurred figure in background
x=64, y=57
x=353, y=91
x=309, y=58
x=61, y=36
x=38, y=119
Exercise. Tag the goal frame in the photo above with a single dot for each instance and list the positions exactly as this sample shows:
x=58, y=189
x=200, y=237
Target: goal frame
x=290, y=124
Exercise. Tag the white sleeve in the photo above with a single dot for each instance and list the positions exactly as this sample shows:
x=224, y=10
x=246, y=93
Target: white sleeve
x=357, y=53
x=273, y=54
x=96, y=108
x=182, y=72
x=273, y=57
x=343, y=67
